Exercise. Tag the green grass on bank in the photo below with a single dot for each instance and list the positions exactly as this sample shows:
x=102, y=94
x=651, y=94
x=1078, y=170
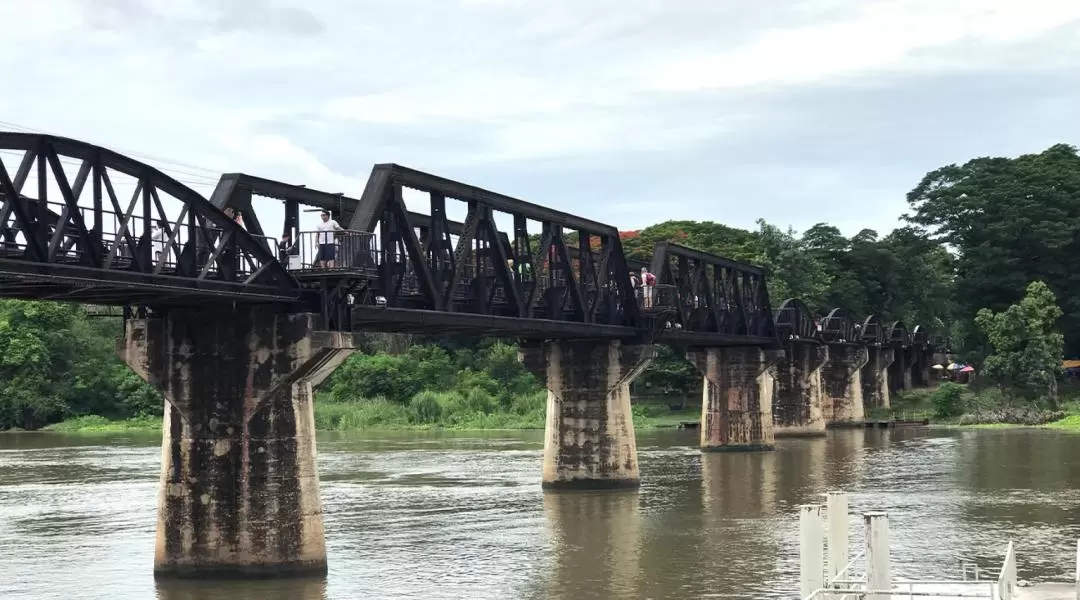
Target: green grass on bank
x=955, y=406
x=98, y=424
x=433, y=411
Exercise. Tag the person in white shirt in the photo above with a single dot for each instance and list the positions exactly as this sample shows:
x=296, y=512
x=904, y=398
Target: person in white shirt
x=325, y=239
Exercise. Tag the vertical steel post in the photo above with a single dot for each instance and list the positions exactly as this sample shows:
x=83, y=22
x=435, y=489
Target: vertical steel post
x=811, y=566
x=877, y=554
x=837, y=517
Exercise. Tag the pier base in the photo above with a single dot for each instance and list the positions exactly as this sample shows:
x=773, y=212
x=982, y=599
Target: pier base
x=841, y=376
x=797, y=394
x=239, y=492
x=736, y=404
x=875, y=378
x=589, y=432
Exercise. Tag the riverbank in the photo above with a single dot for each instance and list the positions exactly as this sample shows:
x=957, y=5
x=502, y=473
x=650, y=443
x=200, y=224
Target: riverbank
x=955, y=406
x=379, y=416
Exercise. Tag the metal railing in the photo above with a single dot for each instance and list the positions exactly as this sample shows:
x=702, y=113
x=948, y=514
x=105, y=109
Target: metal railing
x=122, y=241
x=344, y=250
x=828, y=580
x=656, y=298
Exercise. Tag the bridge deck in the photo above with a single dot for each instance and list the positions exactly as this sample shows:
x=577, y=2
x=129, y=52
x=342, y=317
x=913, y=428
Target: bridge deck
x=401, y=320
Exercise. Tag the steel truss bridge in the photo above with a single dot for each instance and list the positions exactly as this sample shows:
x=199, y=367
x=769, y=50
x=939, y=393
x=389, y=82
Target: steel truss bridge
x=81, y=223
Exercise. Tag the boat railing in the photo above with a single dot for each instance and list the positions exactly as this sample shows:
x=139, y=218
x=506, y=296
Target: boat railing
x=869, y=574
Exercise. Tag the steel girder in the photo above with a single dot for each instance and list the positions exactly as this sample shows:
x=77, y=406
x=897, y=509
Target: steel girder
x=74, y=240
x=576, y=272
x=714, y=294
x=794, y=321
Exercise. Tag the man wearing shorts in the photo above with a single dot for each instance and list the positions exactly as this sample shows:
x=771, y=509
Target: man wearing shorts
x=325, y=238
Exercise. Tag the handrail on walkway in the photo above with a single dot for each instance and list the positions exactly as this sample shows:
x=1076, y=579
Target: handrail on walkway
x=837, y=580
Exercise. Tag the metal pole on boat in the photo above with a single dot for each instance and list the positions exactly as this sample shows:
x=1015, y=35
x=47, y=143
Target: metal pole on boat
x=1077, y=569
x=877, y=554
x=837, y=511
x=811, y=563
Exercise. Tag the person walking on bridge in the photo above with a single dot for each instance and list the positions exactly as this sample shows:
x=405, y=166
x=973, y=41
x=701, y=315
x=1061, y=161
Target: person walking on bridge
x=325, y=235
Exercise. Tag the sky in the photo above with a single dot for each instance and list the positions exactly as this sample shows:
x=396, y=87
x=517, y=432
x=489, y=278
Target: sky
x=629, y=112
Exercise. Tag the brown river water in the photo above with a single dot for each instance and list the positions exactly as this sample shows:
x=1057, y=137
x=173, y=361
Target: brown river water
x=432, y=516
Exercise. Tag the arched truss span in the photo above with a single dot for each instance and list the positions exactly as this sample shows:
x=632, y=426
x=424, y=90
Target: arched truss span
x=794, y=321
x=920, y=335
x=872, y=331
x=838, y=327
x=898, y=334
x=79, y=222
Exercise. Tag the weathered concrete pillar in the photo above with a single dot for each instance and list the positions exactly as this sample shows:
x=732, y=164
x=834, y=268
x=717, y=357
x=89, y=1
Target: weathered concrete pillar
x=875, y=378
x=797, y=394
x=910, y=363
x=239, y=491
x=920, y=366
x=842, y=379
x=900, y=371
x=589, y=433
x=736, y=404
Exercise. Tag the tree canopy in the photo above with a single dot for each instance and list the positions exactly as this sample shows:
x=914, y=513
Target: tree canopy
x=1010, y=221
x=1026, y=361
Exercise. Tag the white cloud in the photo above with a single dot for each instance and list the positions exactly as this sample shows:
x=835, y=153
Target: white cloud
x=877, y=36
x=711, y=95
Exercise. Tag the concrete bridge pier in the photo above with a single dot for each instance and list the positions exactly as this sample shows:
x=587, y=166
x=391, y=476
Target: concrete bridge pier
x=589, y=432
x=919, y=368
x=797, y=394
x=900, y=371
x=239, y=492
x=736, y=404
x=875, y=377
x=842, y=379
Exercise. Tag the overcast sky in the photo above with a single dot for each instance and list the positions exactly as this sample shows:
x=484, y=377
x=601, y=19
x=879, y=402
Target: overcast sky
x=626, y=111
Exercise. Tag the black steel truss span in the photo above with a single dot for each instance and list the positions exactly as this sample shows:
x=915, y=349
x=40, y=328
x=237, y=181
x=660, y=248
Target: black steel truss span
x=567, y=269
x=74, y=238
x=838, y=327
x=794, y=321
x=714, y=294
x=872, y=331
x=897, y=334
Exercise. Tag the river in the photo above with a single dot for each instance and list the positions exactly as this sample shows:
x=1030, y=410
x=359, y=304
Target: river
x=431, y=516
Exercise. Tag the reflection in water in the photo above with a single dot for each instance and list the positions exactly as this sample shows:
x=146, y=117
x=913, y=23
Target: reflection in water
x=739, y=531
x=596, y=542
x=738, y=485
x=445, y=516
x=285, y=589
x=801, y=467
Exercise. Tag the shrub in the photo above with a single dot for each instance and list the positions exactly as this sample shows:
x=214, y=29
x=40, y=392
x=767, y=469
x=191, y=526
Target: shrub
x=425, y=408
x=948, y=400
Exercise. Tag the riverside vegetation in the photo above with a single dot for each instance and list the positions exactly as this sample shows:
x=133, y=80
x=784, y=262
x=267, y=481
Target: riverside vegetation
x=986, y=255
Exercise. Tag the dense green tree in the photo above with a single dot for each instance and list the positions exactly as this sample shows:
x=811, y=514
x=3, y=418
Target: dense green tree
x=1026, y=360
x=791, y=271
x=55, y=363
x=707, y=236
x=1010, y=221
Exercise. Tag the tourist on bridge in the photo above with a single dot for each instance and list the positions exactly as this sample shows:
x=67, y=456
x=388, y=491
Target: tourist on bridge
x=327, y=249
x=287, y=248
x=648, y=284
